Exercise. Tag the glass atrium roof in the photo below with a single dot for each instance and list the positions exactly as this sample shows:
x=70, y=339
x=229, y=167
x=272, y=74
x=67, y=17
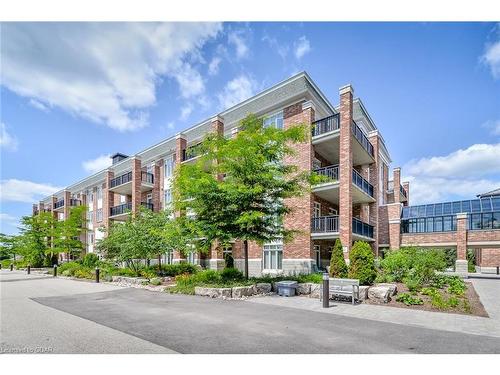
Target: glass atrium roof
x=488, y=204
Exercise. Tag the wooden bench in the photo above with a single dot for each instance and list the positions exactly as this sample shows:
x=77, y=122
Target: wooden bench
x=343, y=287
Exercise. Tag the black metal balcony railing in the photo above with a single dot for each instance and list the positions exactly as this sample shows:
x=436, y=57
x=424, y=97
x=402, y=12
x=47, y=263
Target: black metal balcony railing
x=362, y=138
x=362, y=228
x=191, y=152
x=402, y=191
x=147, y=205
x=120, y=180
x=75, y=202
x=326, y=125
x=323, y=224
x=331, y=171
x=127, y=177
x=360, y=182
x=147, y=177
x=59, y=204
x=120, y=209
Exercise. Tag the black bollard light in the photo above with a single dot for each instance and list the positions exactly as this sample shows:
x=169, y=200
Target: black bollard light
x=498, y=270
x=0, y=266
x=55, y=270
x=29, y=269
x=97, y=271
x=326, y=290
x=11, y=266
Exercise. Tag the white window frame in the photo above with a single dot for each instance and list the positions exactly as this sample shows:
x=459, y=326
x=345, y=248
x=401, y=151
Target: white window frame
x=149, y=198
x=317, y=209
x=275, y=119
x=272, y=256
x=317, y=255
x=99, y=215
x=169, y=166
x=332, y=211
x=99, y=192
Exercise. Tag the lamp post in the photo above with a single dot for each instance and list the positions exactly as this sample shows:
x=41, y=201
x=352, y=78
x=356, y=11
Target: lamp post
x=326, y=290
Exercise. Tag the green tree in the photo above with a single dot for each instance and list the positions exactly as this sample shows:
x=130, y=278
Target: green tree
x=338, y=266
x=68, y=231
x=8, y=246
x=35, y=237
x=238, y=186
x=362, y=263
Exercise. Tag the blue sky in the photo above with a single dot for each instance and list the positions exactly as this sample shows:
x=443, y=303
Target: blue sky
x=71, y=94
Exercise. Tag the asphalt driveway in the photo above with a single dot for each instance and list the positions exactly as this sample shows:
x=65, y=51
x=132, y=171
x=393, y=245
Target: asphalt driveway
x=191, y=324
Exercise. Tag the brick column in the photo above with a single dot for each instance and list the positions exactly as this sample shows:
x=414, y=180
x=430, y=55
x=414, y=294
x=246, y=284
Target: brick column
x=136, y=184
x=66, y=208
x=216, y=260
x=396, y=182
x=461, y=262
x=83, y=236
x=374, y=180
x=406, y=186
x=108, y=199
x=394, y=216
x=156, y=188
x=161, y=164
x=297, y=255
x=345, y=168
x=180, y=146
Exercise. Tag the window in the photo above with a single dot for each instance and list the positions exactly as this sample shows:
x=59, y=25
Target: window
x=275, y=120
x=168, y=257
x=90, y=238
x=332, y=211
x=99, y=192
x=90, y=197
x=317, y=255
x=317, y=209
x=316, y=164
x=99, y=215
x=89, y=216
x=169, y=166
x=149, y=198
x=273, y=256
x=168, y=197
x=191, y=257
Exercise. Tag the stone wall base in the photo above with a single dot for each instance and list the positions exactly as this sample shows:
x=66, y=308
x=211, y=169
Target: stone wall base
x=461, y=266
x=216, y=264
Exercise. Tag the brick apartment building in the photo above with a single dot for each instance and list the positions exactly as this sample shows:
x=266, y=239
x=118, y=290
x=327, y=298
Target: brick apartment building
x=360, y=202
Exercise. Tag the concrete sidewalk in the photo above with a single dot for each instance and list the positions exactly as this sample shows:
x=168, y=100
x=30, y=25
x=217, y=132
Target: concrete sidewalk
x=415, y=318
x=489, y=294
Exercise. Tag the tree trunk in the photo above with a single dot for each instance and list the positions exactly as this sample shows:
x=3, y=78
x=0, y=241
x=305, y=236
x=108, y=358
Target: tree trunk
x=159, y=262
x=245, y=246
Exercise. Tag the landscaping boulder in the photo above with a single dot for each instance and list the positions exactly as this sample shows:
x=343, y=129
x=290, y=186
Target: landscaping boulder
x=263, y=288
x=315, y=290
x=213, y=292
x=244, y=291
x=379, y=294
x=392, y=287
x=363, y=292
x=304, y=288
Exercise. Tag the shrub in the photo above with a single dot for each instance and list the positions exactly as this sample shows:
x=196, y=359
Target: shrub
x=408, y=299
x=231, y=274
x=338, y=266
x=71, y=267
x=396, y=265
x=362, y=265
x=229, y=260
x=155, y=281
x=178, y=269
x=456, y=286
x=90, y=260
x=413, y=282
x=453, y=301
x=83, y=273
x=147, y=273
x=207, y=277
x=124, y=272
x=427, y=262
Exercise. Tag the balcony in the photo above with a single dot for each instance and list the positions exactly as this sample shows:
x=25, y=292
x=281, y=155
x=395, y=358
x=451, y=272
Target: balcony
x=363, y=193
x=59, y=205
x=121, y=211
x=361, y=230
x=192, y=152
x=325, y=226
x=325, y=138
x=326, y=125
x=123, y=183
x=403, y=194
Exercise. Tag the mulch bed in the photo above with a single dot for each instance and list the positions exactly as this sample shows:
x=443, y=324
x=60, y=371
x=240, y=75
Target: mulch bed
x=476, y=307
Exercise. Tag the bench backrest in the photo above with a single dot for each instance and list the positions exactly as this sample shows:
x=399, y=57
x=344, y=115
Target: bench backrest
x=344, y=282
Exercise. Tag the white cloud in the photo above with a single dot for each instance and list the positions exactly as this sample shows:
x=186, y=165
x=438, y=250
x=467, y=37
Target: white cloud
x=236, y=91
x=7, y=141
x=461, y=174
x=491, y=56
x=237, y=39
x=281, y=48
x=213, y=67
x=97, y=164
x=25, y=191
x=302, y=47
x=186, y=111
x=104, y=72
x=36, y=104
x=170, y=125
x=493, y=126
